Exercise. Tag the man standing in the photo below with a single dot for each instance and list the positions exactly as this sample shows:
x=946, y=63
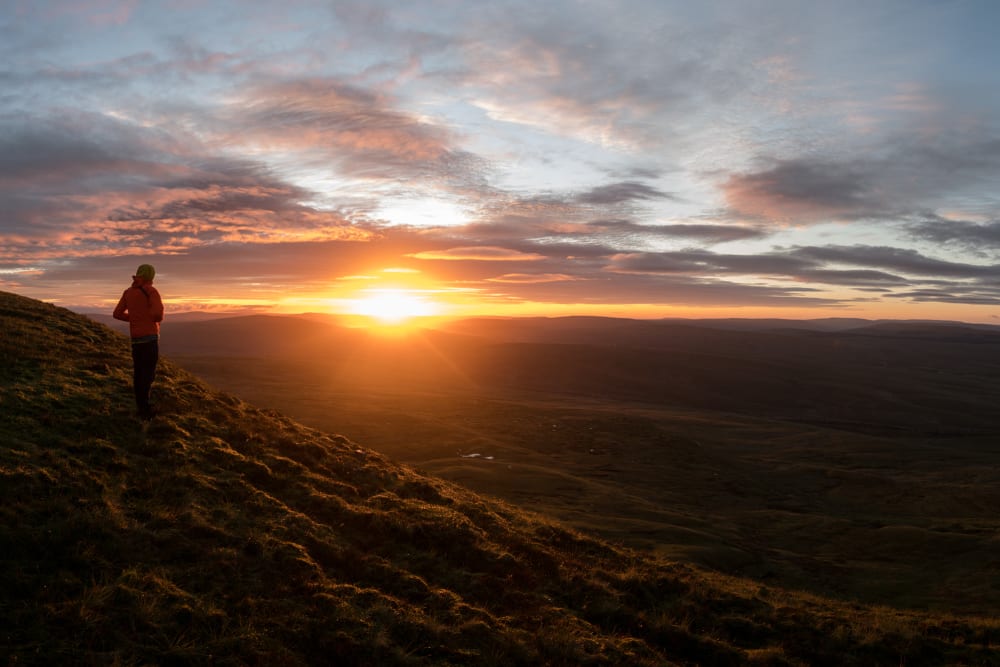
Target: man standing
x=142, y=308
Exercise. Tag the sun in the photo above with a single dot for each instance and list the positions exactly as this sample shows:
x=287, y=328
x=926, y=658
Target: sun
x=393, y=306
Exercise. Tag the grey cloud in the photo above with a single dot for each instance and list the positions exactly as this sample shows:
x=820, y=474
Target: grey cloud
x=656, y=263
x=57, y=172
x=554, y=219
x=951, y=296
x=591, y=246
x=79, y=150
x=901, y=176
x=970, y=235
x=638, y=172
x=620, y=193
x=705, y=262
x=804, y=190
x=526, y=238
x=962, y=155
x=951, y=168
x=706, y=233
x=895, y=259
x=858, y=278
x=555, y=236
x=830, y=185
x=812, y=265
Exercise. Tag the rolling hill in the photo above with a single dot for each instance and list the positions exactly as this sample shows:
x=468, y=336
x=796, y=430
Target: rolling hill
x=918, y=378
x=224, y=534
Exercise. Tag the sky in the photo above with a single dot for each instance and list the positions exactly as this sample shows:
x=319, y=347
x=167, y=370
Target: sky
x=660, y=158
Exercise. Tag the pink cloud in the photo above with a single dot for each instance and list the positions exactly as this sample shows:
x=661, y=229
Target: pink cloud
x=331, y=117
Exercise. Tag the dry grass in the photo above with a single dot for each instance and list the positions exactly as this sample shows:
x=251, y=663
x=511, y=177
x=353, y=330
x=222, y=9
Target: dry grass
x=226, y=535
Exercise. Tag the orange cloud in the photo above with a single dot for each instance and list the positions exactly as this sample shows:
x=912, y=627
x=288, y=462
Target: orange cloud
x=532, y=278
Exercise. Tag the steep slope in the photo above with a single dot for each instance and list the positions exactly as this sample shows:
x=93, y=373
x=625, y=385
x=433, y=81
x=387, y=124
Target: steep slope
x=221, y=534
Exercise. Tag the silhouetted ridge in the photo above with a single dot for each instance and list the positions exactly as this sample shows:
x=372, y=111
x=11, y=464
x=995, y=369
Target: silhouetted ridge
x=224, y=534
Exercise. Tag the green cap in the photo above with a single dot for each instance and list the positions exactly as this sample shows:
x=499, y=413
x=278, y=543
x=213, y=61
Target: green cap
x=146, y=272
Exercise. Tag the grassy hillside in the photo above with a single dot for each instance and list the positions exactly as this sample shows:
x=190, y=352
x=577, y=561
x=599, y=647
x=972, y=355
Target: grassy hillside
x=223, y=534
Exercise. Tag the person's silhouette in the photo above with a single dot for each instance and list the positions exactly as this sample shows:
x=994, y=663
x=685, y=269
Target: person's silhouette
x=142, y=308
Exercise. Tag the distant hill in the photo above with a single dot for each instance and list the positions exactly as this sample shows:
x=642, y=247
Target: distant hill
x=222, y=534
x=884, y=377
x=511, y=328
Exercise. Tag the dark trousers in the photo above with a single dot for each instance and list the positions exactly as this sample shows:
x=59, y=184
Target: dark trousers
x=144, y=358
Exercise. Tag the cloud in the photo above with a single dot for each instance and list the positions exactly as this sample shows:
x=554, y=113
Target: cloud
x=976, y=236
x=533, y=278
x=74, y=185
x=665, y=290
x=897, y=176
x=989, y=298
x=703, y=262
x=620, y=193
x=666, y=154
x=597, y=75
x=478, y=253
x=82, y=151
x=701, y=232
x=901, y=260
x=864, y=278
x=888, y=270
x=803, y=191
x=604, y=219
x=336, y=116
x=356, y=130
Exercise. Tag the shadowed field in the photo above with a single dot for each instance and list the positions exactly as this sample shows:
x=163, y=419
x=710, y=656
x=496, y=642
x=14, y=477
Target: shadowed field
x=858, y=463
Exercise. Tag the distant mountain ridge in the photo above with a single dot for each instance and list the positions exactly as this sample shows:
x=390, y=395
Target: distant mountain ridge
x=226, y=535
x=514, y=326
x=878, y=377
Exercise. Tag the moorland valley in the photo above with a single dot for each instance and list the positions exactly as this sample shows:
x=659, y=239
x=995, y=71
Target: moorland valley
x=221, y=533
x=849, y=458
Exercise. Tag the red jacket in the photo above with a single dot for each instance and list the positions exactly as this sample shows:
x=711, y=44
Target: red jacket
x=142, y=308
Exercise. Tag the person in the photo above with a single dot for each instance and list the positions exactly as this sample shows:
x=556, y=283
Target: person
x=142, y=308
